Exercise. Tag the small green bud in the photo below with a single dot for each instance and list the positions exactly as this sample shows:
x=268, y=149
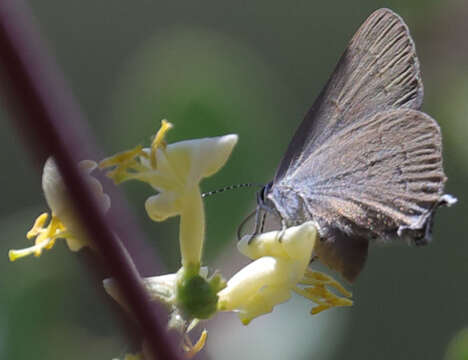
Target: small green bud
x=195, y=295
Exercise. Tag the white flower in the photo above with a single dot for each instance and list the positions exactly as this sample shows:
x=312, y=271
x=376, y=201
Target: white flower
x=57, y=198
x=64, y=222
x=175, y=171
x=281, y=264
x=181, y=167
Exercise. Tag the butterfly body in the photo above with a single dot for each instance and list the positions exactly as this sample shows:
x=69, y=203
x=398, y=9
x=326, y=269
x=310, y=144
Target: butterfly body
x=365, y=163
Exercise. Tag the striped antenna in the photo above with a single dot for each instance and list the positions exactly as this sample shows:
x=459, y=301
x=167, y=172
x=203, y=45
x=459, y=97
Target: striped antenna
x=230, y=187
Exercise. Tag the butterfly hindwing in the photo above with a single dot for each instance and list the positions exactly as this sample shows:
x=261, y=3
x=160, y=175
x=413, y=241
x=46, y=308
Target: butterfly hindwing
x=380, y=177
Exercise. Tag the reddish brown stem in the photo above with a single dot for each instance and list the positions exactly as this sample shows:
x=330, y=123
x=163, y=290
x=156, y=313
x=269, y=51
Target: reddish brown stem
x=51, y=121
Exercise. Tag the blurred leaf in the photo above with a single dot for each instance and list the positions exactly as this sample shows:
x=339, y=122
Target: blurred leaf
x=458, y=347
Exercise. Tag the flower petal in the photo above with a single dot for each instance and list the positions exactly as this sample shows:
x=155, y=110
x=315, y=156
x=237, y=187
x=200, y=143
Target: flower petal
x=76, y=243
x=56, y=193
x=54, y=188
x=259, y=286
x=216, y=152
x=195, y=159
x=162, y=206
x=282, y=258
x=296, y=242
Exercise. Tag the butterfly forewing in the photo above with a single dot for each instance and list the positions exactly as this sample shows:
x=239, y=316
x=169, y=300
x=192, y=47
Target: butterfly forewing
x=378, y=71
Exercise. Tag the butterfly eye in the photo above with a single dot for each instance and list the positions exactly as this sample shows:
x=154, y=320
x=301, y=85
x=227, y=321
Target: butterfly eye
x=262, y=194
x=261, y=197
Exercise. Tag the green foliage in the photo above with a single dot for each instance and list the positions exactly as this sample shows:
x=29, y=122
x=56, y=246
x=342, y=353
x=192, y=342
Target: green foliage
x=458, y=347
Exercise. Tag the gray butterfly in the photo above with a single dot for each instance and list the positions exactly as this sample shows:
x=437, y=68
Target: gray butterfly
x=365, y=163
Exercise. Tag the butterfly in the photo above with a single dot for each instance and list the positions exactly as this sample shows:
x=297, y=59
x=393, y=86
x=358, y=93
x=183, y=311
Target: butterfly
x=365, y=163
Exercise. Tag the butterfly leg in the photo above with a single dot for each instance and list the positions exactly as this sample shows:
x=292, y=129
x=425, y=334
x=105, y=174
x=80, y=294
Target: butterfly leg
x=283, y=230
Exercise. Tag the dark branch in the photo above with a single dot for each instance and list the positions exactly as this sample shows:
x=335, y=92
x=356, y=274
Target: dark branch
x=52, y=124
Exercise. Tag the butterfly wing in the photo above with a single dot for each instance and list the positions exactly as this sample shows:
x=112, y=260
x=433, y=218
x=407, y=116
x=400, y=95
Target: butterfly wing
x=344, y=253
x=380, y=177
x=378, y=71
x=364, y=163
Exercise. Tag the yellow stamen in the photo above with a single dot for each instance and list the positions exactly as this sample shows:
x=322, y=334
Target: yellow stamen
x=319, y=294
x=38, y=226
x=192, y=350
x=120, y=158
x=127, y=165
x=158, y=141
x=124, y=163
x=315, y=277
x=14, y=255
x=45, y=237
x=56, y=229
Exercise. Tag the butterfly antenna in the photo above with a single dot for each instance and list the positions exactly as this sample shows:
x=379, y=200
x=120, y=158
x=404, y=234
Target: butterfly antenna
x=230, y=187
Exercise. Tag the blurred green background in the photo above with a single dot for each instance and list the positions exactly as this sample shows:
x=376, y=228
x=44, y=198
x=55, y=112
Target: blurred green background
x=251, y=68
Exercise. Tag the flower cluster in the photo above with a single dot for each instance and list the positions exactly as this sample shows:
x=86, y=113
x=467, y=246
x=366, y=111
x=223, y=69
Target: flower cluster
x=175, y=172
x=280, y=258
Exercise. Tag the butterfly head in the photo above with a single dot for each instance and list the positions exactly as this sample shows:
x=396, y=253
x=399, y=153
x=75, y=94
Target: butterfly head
x=263, y=202
x=264, y=218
